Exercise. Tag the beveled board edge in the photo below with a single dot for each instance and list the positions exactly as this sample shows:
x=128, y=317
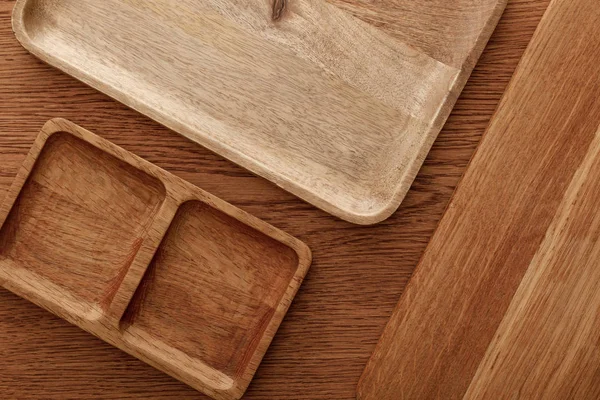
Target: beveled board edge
x=178, y=192
x=256, y=167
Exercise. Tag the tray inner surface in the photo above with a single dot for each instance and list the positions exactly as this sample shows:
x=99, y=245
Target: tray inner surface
x=78, y=222
x=330, y=106
x=208, y=268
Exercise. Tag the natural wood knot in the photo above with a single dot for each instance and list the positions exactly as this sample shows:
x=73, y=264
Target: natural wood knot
x=278, y=9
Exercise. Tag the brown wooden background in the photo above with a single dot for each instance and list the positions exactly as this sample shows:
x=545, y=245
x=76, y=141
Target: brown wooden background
x=357, y=276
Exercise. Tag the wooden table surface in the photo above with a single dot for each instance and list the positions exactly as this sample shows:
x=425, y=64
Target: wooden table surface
x=357, y=276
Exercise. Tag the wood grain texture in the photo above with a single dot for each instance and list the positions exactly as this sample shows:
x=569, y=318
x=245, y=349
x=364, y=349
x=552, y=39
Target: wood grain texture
x=547, y=346
x=146, y=261
x=357, y=275
x=311, y=95
x=521, y=221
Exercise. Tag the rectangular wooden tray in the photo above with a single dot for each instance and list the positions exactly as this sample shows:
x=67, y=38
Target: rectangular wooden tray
x=336, y=101
x=146, y=261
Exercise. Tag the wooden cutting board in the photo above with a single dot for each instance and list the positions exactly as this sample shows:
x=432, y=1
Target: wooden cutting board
x=505, y=302
x=337, y=102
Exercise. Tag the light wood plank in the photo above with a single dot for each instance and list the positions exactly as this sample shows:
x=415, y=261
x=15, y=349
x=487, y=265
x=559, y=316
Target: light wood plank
x=547, y=346
x=499, y=216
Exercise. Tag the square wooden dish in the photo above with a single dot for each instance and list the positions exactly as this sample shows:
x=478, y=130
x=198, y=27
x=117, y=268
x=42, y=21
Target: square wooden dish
x=146, y=261
x=336, y=101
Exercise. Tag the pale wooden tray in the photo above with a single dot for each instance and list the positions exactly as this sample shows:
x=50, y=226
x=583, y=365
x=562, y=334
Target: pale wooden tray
x=337, y=102
x=146, y=261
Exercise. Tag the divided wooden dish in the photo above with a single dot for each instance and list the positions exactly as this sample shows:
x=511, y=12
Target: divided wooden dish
x=146, y=261
x=336, y=101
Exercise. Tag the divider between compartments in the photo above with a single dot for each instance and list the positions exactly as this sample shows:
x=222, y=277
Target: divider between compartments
x=142, y=259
